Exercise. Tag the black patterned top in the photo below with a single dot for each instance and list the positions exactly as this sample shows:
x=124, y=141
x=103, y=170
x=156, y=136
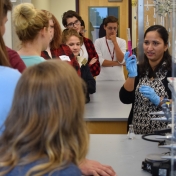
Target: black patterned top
x=141, y=106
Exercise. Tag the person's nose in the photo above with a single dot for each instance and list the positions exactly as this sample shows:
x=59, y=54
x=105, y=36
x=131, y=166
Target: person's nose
x=75, y=47
x=74, y=26
x=150, y=46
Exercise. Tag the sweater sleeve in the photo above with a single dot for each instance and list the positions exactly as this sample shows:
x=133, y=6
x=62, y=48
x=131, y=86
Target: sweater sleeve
x=15, y=60
x=165, y=82
x=91, y=84
x=125, y=96
x=94, y=68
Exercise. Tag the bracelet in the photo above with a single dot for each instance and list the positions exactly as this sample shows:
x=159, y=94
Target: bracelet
x=164, y=100
x=161, y=101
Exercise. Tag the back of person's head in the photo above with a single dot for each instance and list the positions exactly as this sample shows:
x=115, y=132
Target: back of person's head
x=104, y=20
x=67, y=33
x=7, y=7
x=111, y=19
x=28, y=21
x=56, y=41
x=3, y=53
x=70, y=14
x=82, y=23
x=46, y=119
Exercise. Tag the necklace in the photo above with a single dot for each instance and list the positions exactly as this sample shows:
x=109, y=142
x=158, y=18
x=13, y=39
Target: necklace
x=112, y=55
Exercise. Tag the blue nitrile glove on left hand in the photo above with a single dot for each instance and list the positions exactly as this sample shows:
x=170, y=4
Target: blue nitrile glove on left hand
x=149, y=93
x=131, y=65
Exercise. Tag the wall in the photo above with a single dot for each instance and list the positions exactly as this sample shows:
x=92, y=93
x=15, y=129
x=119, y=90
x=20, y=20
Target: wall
x=8, y=32
x=41, y=4
x=56, y=7
x=60, y=6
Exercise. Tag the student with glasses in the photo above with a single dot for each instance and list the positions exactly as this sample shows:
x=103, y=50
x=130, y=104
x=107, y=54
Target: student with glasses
x=71, y=19
x=111, y=51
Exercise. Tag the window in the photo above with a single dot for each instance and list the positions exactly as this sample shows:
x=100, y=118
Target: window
x=96, y=16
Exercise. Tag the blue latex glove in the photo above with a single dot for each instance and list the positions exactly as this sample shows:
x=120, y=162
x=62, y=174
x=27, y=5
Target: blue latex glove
x=131, y=65
x=149, y=93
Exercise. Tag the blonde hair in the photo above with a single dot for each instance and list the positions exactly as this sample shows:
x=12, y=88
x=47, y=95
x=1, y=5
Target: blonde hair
x=46, y=120
x=67, y=33
x=28, y=21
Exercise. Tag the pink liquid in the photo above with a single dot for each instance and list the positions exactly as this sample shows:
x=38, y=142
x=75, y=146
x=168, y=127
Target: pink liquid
x=130, y=47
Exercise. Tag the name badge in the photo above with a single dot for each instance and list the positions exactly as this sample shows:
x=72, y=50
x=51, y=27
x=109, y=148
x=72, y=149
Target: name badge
x=64, y=58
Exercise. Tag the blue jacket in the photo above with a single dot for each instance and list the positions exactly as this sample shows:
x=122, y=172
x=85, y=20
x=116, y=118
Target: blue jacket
x=70, y=170
x=8, y=80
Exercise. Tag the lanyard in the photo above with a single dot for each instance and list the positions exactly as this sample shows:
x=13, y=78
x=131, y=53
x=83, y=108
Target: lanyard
x=112, y=55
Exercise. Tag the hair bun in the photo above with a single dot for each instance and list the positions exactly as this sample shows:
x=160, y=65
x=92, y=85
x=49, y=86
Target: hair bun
x=23, y=15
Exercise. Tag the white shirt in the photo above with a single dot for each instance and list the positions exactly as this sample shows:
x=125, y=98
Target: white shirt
x=83, y=52
x=109, y=73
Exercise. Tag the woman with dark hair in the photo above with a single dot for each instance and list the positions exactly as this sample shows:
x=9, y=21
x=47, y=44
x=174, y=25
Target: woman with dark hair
x=71, y=19
x=147, y=84
x=102, y=31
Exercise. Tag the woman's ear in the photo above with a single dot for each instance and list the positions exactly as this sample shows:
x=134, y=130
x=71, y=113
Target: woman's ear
x=166, y=47
x=43, y=31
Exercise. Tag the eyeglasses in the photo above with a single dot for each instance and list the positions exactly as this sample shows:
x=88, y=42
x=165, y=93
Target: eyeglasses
x=77, y=22
x=111, y=28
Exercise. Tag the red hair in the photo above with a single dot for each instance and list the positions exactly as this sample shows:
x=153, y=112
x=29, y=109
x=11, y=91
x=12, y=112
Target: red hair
x=56, y=41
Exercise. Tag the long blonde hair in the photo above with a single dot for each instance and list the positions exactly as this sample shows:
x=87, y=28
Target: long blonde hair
x=28, y=21
x=46, y=120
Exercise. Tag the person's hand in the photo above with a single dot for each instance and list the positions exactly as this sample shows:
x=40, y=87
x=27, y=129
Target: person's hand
x=149, y=93
x=113, y=38
x=93, y=60
x=90, y=167
x=131, y=65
